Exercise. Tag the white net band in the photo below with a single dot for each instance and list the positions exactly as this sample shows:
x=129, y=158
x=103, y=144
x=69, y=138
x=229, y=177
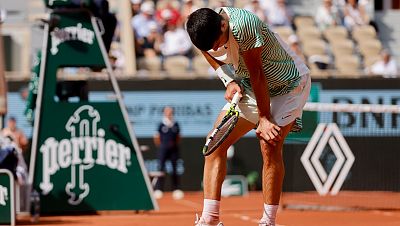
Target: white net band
x=340, y=107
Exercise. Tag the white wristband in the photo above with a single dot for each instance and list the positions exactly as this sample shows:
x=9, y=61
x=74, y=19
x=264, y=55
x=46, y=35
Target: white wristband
x=226, y=74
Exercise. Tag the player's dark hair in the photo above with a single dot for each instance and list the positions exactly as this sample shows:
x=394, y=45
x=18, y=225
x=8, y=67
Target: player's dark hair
x=204, y=28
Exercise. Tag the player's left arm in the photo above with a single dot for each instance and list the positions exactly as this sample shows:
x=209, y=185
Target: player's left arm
x=232, y=87
x=266, y=129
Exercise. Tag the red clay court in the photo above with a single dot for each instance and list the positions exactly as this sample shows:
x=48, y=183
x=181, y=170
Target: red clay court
x=301, y=209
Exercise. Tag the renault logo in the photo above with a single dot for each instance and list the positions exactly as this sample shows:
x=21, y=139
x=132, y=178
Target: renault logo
x=324, y=183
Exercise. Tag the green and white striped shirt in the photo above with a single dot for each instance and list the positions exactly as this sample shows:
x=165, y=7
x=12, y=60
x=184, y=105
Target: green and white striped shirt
x=281, y=66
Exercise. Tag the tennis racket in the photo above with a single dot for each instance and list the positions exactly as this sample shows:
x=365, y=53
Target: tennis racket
x=223, y=129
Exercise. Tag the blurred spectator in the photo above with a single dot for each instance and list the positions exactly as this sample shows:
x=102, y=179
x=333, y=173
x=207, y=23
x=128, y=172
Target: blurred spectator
x=279, y=14
x=141, y=23
x=11, y=158
x=166, y=10
x=117, y=57
x=368, y=8
x=266, y=4
x=14, y=133
x=151, y=43
x=385, y=67
x=339, y=3
x=327, y=15
x=135, y=4
x=255, y=7
x=354, y=14
x=149, y=46
x=220, y=3
x=188, y=7
x=175, y=41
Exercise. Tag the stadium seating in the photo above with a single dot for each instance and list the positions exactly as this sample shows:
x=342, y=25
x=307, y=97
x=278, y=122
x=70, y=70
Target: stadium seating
x=320, y=66
x=336, y=33
x=370, y=47
x=177, y=66
x=370, y=60
x=149, y=63
x=284, y=32
x=342, y=47
x=331, y=43
x=314, y=47
x=303, y=21
x=363, y=33
x=309, y=33
x=201, y=66
x=151, y=66
x=347, y=66
x=340, y=50
x=241, y=3
x=349, y=51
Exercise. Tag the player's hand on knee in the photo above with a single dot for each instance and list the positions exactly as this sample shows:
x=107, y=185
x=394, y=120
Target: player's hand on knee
x=268, y=131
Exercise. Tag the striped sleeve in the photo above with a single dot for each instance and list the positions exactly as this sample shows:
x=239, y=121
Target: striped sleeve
x=249, y=31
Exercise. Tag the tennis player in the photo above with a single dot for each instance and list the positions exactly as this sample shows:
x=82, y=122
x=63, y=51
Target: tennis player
x=274, y=84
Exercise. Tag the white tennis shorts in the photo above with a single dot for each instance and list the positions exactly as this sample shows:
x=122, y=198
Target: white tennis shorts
x=284, y=109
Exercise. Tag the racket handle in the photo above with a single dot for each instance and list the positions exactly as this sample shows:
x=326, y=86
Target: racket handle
x=235, y=98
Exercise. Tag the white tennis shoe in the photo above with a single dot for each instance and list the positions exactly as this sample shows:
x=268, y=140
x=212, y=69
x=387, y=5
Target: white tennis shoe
x=158, y=194
x=200, y=222
x=178, y=194
x=261, y=223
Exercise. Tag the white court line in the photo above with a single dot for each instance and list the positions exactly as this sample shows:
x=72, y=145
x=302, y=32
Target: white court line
x=384, y=213
x=389, y=214
x=247, y=218
x=189, y=203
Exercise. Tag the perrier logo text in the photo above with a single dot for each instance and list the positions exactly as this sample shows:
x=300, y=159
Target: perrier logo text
x=3, y=195
x=72, y=33
x=85, y=148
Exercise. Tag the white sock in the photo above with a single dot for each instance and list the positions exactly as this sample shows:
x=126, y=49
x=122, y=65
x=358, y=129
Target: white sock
x=211, y=211
x=269, y=214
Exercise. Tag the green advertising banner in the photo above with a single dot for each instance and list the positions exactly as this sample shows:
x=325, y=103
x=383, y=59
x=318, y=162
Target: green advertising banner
x=7, y=209
x=84, y=157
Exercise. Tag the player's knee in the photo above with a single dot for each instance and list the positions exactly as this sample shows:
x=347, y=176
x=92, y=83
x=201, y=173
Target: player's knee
x=219, y=155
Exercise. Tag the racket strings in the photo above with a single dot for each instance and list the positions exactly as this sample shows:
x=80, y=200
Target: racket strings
x=223, y=129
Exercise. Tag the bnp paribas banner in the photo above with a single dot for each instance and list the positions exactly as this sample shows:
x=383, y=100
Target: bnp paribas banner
x=85, y=156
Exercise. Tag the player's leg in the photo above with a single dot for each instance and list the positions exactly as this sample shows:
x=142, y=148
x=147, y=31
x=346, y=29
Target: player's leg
x=162, y=158
x=174, y=162
x=215, y=164
x=215, y=171
x=284, y=110
x=176, y=186
x=272, y=176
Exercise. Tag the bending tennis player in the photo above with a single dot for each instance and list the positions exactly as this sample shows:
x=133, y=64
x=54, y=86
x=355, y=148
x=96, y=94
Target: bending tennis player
x=274, y=85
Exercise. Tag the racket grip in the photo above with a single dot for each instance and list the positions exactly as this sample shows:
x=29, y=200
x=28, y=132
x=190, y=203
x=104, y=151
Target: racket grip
x=235, y=98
